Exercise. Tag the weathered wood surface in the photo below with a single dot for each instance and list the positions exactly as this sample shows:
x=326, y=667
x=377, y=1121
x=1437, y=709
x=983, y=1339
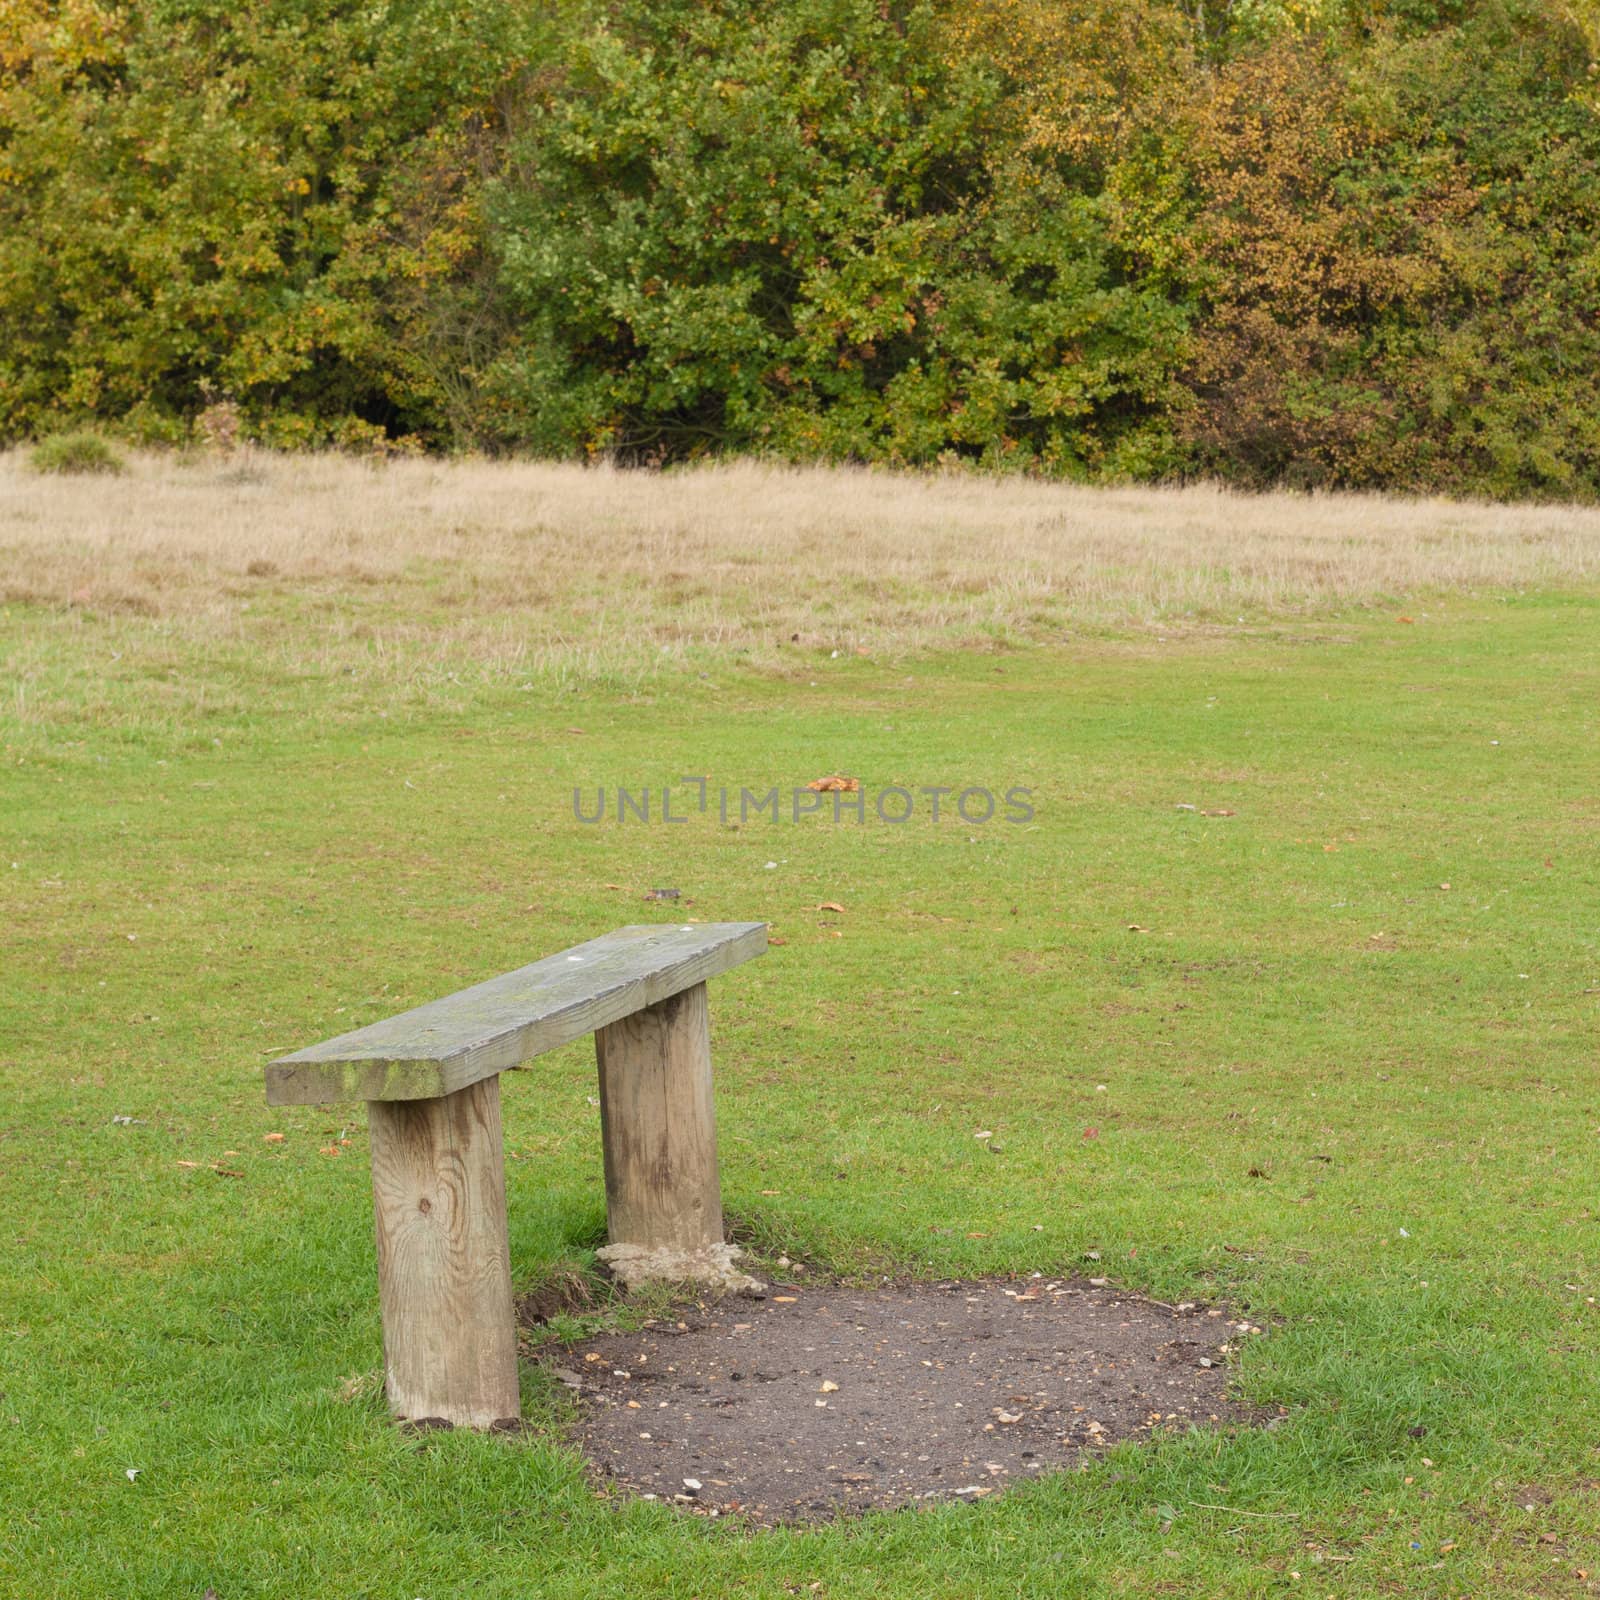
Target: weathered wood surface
x=658, y=1127
x=444, y=1046
x=444, y=1269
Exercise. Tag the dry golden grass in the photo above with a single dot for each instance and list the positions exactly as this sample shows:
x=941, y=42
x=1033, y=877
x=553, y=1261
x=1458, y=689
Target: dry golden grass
x=519, y=568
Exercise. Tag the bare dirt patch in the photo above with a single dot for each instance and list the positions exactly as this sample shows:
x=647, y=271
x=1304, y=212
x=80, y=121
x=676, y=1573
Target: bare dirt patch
x=818, y=1401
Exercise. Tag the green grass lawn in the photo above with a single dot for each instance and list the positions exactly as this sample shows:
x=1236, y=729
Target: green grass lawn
x=1345, y=1077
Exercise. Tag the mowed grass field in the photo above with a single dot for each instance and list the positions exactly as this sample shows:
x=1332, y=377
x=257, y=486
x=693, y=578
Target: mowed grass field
x=1289, y=995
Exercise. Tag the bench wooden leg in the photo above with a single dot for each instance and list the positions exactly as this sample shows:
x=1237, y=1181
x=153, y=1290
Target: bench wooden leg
x=658, y=1126
x=444, y=1269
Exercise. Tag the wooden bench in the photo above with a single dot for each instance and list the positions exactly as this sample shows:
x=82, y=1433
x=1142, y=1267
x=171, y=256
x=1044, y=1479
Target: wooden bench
x=431, y=1080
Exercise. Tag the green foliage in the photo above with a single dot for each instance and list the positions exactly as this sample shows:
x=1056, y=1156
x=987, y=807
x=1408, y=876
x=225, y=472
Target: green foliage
x=191, y=191
x=782, y=229
x=76, y=454
x=1306, y=241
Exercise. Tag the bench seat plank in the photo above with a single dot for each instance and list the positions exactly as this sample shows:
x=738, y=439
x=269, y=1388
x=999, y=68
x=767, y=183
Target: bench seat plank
x=438, y=1048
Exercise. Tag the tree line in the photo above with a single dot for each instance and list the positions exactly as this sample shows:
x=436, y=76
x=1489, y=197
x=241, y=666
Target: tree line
x=1316, y=243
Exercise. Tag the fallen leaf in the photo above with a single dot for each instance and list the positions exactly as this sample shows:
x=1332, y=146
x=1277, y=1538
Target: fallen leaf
x=272, y=1138
x=828, y=1386
x=834, y=785
x=615, y=886
x=773, y=938
x=784, y=1299
x=1134, y=927
x=1405, y=619
x=188, y=1163
x=1091, y=1133
x=831, y=905
x=1007, y=1416
x=1220, y=812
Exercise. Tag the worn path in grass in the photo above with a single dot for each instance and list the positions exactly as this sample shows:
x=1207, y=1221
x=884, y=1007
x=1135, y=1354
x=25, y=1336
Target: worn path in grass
x=1316, y=1084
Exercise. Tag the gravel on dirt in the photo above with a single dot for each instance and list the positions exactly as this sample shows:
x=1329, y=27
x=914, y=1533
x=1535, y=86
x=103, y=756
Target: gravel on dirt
x=824, y=1400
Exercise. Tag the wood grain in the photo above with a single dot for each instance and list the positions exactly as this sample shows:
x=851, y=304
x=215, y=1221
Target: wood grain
x=658, y=1125
x=444, y=1269
x=438, y=1048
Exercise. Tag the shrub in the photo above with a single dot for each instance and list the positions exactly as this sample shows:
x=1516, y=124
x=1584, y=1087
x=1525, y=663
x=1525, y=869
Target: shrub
x=228, y=169
x=785, y=228
x=76, y=454
x=1393, y=255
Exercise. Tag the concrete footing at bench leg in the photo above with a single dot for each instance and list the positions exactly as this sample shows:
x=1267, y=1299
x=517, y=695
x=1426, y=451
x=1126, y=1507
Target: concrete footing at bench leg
x=712, y=1267
x=658, y=1126
x=444, y=1269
